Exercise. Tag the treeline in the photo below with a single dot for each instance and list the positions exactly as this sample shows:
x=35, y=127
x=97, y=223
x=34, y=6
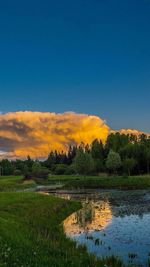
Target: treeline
x=121, y=154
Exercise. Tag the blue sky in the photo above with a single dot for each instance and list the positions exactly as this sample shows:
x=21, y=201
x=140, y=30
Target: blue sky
x=90, y=56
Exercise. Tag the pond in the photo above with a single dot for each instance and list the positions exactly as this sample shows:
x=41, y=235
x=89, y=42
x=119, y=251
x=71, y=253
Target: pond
x=112, y=223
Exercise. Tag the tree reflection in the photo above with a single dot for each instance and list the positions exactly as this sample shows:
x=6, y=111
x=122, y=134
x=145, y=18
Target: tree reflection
x=94, y=216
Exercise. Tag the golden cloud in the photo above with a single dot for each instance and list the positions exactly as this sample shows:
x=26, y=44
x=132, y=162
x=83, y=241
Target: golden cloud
x=37, y=133
x=132, y=131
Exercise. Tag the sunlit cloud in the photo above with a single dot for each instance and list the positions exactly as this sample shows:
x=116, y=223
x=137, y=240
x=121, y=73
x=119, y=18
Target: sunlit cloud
x=130, y=131
x=37, y=133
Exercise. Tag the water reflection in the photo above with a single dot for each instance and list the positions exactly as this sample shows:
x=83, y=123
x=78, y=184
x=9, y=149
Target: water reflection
x=92, y=217
x=113, y=223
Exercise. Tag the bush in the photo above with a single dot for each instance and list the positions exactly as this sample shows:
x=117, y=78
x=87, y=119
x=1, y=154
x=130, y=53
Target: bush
x=17, y=172
x=60, y=169
x=70, y=170
x=39, y=173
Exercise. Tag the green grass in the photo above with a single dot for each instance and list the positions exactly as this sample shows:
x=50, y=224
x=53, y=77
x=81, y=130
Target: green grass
x=108, y=182
x=31, y=233
x=13, y=183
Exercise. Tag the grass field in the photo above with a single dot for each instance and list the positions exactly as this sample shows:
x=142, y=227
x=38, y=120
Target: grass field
x=133, y=182
x=31, y=233
x=16, y=183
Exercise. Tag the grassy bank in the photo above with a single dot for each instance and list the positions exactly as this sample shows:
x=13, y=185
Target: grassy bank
x=14, y=183
x=133, y=182
x=31, y=233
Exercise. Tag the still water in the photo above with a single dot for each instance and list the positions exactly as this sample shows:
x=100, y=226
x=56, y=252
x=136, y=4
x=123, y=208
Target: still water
x=112, y=223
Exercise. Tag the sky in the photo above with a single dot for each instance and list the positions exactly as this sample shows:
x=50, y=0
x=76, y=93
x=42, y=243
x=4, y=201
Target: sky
x=90, y=57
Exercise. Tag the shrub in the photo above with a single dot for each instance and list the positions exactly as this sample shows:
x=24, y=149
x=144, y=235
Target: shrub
x=60, y=169
x=41, y=173
x=70, y=170
x=17, y=172
x=38, y=172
